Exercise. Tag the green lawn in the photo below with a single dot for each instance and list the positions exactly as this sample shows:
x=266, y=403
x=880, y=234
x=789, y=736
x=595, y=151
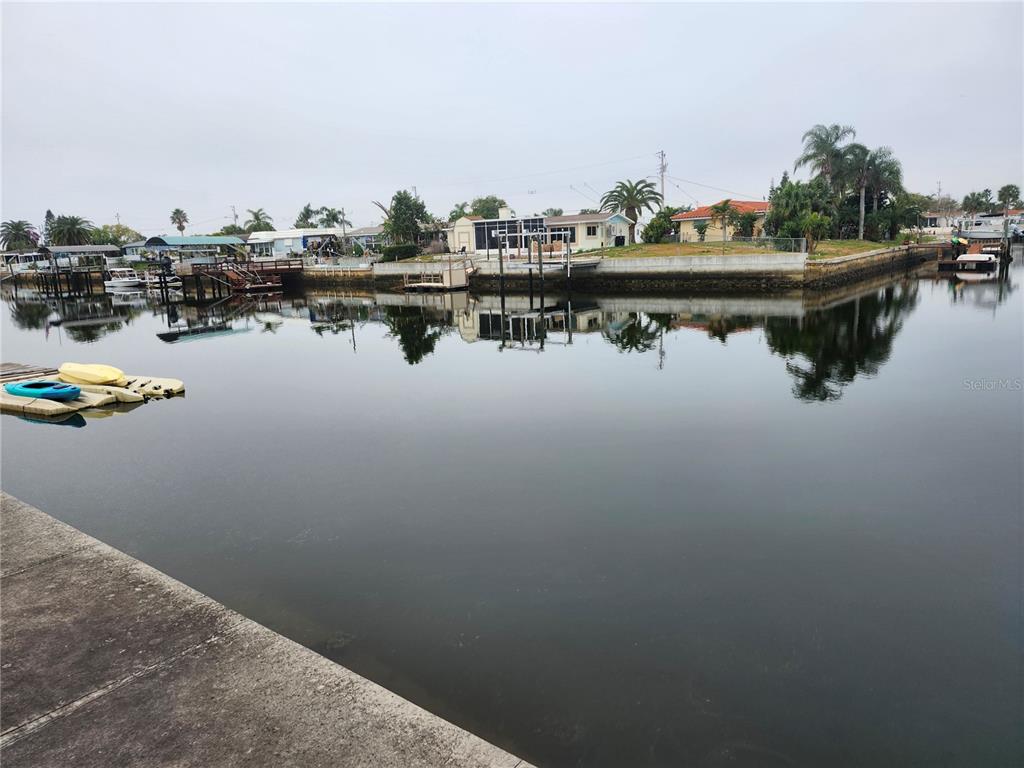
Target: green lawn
x=826, y=249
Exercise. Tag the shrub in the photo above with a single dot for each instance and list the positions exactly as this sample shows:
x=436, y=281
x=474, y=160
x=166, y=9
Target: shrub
x=702, y=229
x=399, y=252
x=357, y=249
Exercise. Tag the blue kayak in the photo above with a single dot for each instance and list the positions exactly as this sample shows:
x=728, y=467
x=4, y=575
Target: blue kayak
x=48, y=390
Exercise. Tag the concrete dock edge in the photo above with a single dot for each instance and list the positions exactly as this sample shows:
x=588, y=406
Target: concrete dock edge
x=105, y=661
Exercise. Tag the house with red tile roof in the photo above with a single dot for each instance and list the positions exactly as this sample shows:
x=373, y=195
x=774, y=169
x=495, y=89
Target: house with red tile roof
x=686, y=222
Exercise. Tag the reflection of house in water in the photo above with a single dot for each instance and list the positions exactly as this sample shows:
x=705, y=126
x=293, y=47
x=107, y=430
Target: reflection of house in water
x=84, y=319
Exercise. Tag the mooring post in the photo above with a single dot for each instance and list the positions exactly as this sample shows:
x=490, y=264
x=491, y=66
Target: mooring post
x=540, y=269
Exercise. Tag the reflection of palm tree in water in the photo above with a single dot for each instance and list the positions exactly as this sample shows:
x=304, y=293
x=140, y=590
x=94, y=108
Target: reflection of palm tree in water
x=640, y=334
x=839, y=343
x=29, y=315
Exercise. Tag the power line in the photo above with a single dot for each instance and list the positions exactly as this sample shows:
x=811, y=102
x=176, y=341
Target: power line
x=710, y=186
x=540, y=173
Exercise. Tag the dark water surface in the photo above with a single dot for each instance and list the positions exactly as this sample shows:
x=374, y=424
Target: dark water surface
x=708, y=532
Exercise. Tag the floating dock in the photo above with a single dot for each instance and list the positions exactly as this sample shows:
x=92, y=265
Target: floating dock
x=137, y=390
x=108, y=662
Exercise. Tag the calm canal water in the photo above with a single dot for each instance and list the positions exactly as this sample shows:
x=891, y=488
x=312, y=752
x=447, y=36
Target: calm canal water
x=706, y=532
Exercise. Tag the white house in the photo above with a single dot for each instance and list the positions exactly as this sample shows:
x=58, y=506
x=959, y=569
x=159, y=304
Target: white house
x=290, y=242
x=581, y=231
x=369, y=238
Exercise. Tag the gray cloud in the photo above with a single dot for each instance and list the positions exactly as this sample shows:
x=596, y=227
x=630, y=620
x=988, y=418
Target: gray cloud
x=141, y=108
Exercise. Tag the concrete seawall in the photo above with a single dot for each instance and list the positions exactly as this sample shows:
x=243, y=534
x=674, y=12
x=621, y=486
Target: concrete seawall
x=109, y=662
x=830, y=273
x=707, y=274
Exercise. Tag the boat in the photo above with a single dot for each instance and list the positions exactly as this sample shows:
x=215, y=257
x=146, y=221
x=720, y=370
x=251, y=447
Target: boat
x=977, y=259
x=82, y=373
x=121, y=279
x=989, y=226
x=43, y=388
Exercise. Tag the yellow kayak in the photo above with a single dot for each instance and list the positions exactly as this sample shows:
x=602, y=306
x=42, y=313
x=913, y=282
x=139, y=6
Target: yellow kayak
x=80, y=373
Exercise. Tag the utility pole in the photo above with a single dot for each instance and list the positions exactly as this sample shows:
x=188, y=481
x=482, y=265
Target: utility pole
x=662, y=167
x=117, y=218
x=234, y=215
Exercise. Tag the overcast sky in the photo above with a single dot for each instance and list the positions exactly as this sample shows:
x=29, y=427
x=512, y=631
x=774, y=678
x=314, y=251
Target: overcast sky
x=138, y=109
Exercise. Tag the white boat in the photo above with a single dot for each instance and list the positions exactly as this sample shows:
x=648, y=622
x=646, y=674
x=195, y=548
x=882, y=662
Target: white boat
x=122, y=279
x=983, y=261
x=989, y=226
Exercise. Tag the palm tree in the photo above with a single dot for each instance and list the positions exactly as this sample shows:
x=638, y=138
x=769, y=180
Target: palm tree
x=71, y=230
x=977, y=201
x=179, y=219
x=258, y=221
x=885, y=175
x=1008, y=197
x=723, y=214
x=307, y=217
x=630, y=197
x=856, y=162
x=458, y=211
x=18, y=234
x=332, y=217
x=822, y=150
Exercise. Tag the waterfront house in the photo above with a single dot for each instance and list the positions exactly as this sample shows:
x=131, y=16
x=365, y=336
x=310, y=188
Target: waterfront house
x=290, y=242
x=938, y=222
x=369, y=238
x=582, y=231
x=688, y=220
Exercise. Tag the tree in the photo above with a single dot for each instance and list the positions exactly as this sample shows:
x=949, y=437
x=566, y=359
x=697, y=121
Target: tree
x=458, y=211
x=815, y=227
x=791, y=201
x=70, y=230
x=823, y=151
x=902, y=212
x=856, y=168
x=885, y=176
x=724, y=215
x=48, y=220
x=589, y=210
x=701, y=228
x=306, y=218
x=231, y=229
x=258, y=221
x=179, y=219
x=403, y=217
x=551, y=212
x=745, y=224
x=15, y=235
x=115, y=234
x=978, y=202
x=661, y=224
x=332, y=217
x=488, y=207
x=629, y=198
x=1008, y=197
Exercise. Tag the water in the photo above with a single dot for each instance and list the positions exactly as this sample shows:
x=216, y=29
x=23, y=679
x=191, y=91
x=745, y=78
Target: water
x=708, y=532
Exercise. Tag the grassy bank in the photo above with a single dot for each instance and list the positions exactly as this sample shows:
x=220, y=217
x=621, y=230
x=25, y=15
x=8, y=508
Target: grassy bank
x=826, y=249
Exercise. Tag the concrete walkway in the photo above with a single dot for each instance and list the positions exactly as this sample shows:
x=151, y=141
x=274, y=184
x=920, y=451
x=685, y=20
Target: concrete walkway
x=105, y=661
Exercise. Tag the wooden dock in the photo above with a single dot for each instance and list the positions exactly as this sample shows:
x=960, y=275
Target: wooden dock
x=239, y=277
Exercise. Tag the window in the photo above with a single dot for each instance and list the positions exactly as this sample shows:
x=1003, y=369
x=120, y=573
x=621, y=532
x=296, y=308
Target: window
x=591, y=230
